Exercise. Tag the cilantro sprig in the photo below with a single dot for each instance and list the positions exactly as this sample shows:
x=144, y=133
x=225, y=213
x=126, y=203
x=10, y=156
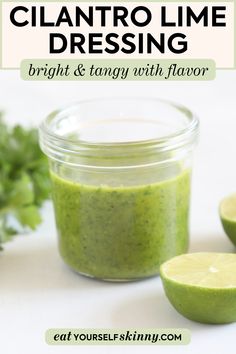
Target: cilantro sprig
x=24, y=180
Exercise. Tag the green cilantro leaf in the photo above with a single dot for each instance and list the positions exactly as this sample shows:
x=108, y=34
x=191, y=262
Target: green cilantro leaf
x=24, y=180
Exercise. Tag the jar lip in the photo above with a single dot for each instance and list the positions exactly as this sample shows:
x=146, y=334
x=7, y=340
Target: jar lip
x=170, y=139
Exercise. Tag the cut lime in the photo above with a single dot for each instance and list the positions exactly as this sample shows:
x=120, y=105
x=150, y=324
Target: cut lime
x=202, y=286
x=228, y=216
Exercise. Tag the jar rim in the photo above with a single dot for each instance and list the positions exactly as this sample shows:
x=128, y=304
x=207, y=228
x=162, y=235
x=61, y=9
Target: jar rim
x=49, y=140
x=193, y=120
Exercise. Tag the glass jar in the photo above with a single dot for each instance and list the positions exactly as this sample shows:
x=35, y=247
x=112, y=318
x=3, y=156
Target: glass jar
x=120, y=171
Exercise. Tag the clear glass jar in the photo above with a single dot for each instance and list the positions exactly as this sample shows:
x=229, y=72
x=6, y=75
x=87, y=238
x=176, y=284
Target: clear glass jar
x=120, y=171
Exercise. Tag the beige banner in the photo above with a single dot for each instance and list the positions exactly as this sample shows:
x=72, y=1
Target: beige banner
x=179, y=40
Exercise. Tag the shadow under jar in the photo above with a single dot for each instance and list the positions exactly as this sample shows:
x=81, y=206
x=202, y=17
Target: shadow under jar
x=120, y=171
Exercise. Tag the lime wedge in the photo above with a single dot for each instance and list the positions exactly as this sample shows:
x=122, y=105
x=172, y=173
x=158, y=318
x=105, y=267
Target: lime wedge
x=228, y=216
x=202, y=286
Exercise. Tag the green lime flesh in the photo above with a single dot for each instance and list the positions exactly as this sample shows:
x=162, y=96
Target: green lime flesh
x=227, y=212
x=202, y=286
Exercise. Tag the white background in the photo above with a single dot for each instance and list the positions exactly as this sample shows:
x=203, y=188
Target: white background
x=37, y=291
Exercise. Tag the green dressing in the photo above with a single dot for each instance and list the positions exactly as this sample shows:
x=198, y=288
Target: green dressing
x=124, y=232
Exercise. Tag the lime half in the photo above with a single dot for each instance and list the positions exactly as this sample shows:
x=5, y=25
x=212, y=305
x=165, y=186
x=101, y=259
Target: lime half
x=228, y=216
x=202, y=286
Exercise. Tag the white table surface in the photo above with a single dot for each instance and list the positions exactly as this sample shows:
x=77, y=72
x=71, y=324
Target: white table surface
x=37, y=291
